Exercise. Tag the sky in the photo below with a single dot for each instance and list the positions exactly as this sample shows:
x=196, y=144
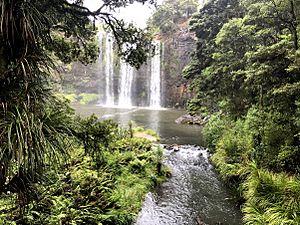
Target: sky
x=136, y=12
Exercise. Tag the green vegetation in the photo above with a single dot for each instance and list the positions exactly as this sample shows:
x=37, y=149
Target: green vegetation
x=86, y=98
x=83, y=98
x=168, y=16
x=72, y=98
x=39, y=181
x=246, y=73
x=147, y=132
x=92, y=189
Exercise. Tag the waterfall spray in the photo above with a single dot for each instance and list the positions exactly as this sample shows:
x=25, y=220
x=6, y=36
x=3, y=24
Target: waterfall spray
x=155, y=78
x=126, y=73
x=109, y=92
x=100, y=60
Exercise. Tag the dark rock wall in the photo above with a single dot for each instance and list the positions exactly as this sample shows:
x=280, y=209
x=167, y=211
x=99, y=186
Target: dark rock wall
x=177, y=50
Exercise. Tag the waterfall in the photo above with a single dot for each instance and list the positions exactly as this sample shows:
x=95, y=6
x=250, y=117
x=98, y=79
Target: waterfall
x=100, y=60
x=135, y=87
x=155, y=78
x=109, y=91
x=126, y=73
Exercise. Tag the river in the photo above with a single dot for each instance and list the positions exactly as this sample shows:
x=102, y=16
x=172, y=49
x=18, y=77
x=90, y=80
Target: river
x=194, y=195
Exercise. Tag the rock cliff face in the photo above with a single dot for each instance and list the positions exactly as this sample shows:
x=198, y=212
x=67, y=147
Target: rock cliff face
x=177, y=49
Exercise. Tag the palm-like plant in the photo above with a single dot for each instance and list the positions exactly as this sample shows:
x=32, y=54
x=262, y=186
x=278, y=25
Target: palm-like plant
x=34, y=124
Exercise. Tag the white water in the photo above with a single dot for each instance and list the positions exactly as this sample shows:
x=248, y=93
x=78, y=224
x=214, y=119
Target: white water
x=126, y=73
x=109, y=92
x=155, y=78
x=129, y=91
x=100, y=60
x=192, y=196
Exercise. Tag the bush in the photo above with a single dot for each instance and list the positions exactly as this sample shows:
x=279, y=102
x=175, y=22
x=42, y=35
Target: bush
x=97, y=135
x=214, y=129
x=84, y=193
x=72, y=98
x=271, y=198
x=131, y=144
x=88, y=98
x=249, y=153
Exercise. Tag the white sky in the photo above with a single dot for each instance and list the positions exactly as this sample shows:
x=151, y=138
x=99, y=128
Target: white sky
x=137, y=13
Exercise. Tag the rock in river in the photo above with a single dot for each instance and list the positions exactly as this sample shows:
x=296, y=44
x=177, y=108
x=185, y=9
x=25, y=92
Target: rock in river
x=189, y=119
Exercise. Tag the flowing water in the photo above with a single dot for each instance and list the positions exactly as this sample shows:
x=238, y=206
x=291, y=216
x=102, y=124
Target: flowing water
x=122, y=88
x=155, y=78
x=193, y=195
x=109, y=92
x=126, y=72
x=100, y=62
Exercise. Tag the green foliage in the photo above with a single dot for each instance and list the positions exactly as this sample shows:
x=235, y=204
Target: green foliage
x=136, y=144
x=271, y=198
x=246, y=66
x=214, y=130
x=266, y=139
x=84, y=192
x=29, y=143
x=171, y=13
x=97, y=135
x=243, y=60
x=72, y=98
x=82, y=98
x=147, y=131
x=34, y=36
x=152, y=133
x=86, y=98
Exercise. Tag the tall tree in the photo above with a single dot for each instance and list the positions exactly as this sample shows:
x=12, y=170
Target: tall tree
x=33, y=35
x=168, y=15
x=206, y=24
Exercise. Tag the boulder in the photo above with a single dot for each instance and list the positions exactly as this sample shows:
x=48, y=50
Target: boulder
x=189, y=119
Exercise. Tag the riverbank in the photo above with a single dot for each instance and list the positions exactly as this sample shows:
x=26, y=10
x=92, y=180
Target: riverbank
x=269, y=194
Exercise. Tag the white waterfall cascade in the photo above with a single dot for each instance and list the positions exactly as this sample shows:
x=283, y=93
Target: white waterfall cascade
x=100, y=59
x=126, y=73
x=109, y=91
x=155, y=78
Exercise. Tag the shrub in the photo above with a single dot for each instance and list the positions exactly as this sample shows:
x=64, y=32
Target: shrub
x=88, y=98
x=271, y=198
x=131, y=144
x=72, y=98
x=214, y=129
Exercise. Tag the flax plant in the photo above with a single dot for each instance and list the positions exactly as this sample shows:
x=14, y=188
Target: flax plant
x=32, y=131
x=34, y=36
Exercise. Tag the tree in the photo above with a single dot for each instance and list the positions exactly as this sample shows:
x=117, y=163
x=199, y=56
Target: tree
x=34, y=34
x=207, y=24
x=168, y=15
x=246, y=67
x=251, y=61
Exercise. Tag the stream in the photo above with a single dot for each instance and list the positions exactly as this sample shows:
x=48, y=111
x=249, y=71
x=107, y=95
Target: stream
x=194, y=195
